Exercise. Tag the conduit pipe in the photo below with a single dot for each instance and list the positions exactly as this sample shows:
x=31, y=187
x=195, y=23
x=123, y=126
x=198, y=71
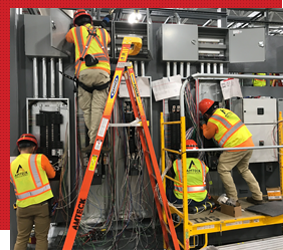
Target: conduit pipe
x=52, y=77
x=60, y=66
x=136, y=68
x=174, y=68
x=35, y=78
x=168, y=69
x=182, y=69
x=44, y=78
x=142, y=68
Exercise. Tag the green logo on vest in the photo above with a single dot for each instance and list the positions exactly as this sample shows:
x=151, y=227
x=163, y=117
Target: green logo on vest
x=20, y=172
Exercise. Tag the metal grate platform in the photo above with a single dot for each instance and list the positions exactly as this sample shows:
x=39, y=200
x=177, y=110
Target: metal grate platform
x=274, y=243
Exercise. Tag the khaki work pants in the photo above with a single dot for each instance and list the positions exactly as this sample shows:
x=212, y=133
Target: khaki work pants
x=227, y=161
x=37, y=215
x=92, y=104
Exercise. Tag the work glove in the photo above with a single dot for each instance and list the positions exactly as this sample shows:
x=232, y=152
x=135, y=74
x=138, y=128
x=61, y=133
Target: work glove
x=106, y=20
x=201, y=123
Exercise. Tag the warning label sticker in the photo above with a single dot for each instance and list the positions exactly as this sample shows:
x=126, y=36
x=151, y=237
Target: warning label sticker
x=93, y=163
x=98, y=144
x=102, y=127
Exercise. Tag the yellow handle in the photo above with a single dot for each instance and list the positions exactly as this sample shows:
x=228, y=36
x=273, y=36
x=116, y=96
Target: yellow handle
x=136, y=41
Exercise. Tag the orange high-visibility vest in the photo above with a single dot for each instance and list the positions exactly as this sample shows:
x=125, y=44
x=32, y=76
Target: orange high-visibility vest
x=231, y=131
x=30, y=181
x=96, y=47
x=196, y=185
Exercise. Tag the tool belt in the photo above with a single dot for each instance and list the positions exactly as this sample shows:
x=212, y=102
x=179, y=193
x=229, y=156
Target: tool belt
x=91, y=89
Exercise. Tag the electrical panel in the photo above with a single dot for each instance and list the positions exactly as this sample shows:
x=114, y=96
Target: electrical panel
x=247, y=45
x=262, y=135
x=259, y=111
x=179, y=42
x=260, y=117
x=142, y=30
x=210, y=90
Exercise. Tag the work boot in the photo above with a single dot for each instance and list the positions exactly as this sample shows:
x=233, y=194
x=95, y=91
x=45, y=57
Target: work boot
x=105, y=149
x=253, y=201
x=87, y=149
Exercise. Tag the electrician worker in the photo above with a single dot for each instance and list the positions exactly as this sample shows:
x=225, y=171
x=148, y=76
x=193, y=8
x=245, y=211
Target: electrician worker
x=259, y=82
x=228, y=131
x=196, y=176
x=92, y=69
x=29, y=174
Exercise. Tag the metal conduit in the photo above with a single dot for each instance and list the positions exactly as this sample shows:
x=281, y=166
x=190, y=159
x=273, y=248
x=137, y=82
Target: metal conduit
x=52, y=76
x=174, y=68
x=60, y=66
x=202, y=68
x=188, y=69
x=35, y=78
x=221, y=68
x=182, y=69
x=44, y=78
x=214, y=68
x=142, y=68
x=208, y=68
x=136, y=68
x=168, y=69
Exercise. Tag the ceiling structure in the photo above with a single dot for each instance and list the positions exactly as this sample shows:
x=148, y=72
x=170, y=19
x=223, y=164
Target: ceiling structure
x=213, y=17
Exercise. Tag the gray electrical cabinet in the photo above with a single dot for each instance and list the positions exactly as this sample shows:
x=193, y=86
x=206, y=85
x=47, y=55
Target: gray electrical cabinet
x=179, y=42
x=247, y=45
x=38, y=37
x=260, y=117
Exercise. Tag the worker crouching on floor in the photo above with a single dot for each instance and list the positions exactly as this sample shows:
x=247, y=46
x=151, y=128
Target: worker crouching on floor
x=196, y=176
x=29, y=173
x=228, y=131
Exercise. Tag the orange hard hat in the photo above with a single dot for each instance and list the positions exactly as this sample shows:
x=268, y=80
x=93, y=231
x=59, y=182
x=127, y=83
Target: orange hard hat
x=204, y=105
x=80, y=12
x=27, y=137
x=191, y=144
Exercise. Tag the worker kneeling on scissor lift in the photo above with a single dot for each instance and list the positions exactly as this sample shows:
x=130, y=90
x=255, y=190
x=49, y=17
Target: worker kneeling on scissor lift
x=196, y=179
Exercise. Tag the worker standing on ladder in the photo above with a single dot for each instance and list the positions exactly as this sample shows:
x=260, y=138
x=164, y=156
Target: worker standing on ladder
x=229, y=131
x=196, y=179
x=29, y=173
x=92, y=69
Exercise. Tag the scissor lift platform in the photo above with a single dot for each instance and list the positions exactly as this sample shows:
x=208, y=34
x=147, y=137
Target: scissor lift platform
x=206, y=222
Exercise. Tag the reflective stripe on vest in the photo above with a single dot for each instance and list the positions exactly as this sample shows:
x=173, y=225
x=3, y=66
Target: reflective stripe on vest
x=40, y=188
x=33, y=193
x=231, y=131
x=83, y=49
x=34, y=171
x=190, y=189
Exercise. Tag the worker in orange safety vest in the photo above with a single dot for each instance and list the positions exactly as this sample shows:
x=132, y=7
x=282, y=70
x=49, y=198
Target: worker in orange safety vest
x=92, y=69
x=196, y=179
x=228, y=131
x=29, y=174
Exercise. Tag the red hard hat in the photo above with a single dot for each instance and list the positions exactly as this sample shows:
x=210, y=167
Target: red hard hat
x=27, y=137
x=191, y=144
x=80, y=12
x=204, y=105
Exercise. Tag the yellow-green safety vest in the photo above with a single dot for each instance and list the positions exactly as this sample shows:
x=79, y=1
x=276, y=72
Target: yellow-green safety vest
x=259, y=82
x=231, y=131
x=30, y=181
x=196, y=185
x=97, y=47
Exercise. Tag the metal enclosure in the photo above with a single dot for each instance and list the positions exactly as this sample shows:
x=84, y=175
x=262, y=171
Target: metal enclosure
x=210, y=90
x=142, y=30
x=247, y=45
x=179, y=42
x=260, y=111
x=38, y=37
x=260, y=117
x=60, y=25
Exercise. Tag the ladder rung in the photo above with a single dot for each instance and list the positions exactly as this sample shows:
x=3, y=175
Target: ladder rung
x=172, y=151
x=173, y=122
x=136, y=123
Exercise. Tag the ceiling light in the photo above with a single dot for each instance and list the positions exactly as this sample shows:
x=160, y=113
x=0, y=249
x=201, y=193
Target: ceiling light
x=134, y=17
